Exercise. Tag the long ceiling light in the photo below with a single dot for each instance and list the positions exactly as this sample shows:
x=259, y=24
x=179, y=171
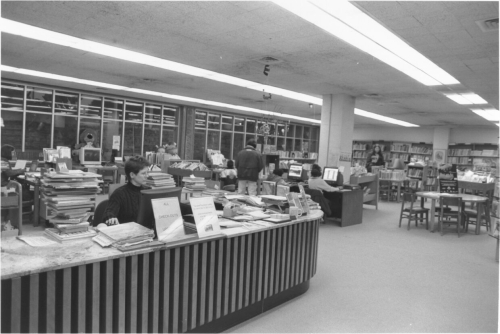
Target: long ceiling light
x=468, y=98
x=152, y=93
x=342, y=19
x=28, y=31
x=490, y=114
x=368, y=114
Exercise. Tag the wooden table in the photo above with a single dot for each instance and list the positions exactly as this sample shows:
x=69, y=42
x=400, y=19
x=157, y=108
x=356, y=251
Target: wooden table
x=479, y=200
x=203, y=285
x=399, y=182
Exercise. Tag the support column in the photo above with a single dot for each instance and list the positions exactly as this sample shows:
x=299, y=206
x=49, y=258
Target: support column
x=337, y=125
x=440, y=143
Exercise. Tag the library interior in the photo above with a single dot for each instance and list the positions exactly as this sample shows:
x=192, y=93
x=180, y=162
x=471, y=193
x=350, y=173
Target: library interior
x=250, y=166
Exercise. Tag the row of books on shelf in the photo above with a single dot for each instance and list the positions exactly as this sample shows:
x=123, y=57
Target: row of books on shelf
x=402, y=156
x=156, y=158
x=421, y=150
x=159, y=180
x=359, y=154
x=485, y=153
x=395, y=175
x=400, y=147
x=459, y=152
x=413, y=172
x=297, y=154
x=360, y=146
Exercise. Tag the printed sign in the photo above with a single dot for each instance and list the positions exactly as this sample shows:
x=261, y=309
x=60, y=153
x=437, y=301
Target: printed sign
x=205, y=216
x=166, y=211
x=345, y=156
x=116, y=142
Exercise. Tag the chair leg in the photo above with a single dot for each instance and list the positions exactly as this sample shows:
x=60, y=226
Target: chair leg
x=400, y=218
x=459, y=223
x=427, y=220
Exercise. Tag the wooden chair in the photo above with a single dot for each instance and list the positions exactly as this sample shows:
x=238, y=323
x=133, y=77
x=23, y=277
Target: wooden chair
x=384, y=189
x=450, y=216
x=411, y=212
x=470, y=216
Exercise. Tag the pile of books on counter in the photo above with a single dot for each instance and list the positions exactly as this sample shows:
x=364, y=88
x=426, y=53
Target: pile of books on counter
x=67, y=228
x=125, y=237
x=159, y=180
x=194, y=183
x=71, y=194
x=216, y=194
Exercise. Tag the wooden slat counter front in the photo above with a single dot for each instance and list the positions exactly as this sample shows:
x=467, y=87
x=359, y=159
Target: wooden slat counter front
x=207, y=285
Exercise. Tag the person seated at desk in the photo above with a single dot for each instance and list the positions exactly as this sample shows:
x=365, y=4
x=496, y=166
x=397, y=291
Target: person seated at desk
x=123, y=205
x=316, y=182
x=229, y=175
x=277, y=176
x=7, y=152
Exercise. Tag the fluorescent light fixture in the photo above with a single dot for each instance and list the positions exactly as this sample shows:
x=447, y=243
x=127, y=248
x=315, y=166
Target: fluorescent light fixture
x=342, y=19
x=151, y=93
x=458, y=98
x=21, y=29
x=490, y=114
x=474, y=98
x=368, y=114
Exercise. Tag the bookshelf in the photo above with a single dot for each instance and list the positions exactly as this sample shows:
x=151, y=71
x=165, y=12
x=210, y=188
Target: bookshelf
x=481, y=156
x=391, y=150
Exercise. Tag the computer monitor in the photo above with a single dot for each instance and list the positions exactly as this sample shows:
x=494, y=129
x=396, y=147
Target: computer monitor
x=333, y=176
x=90, y=156
x=330, y=174
x=295, y=172
x=146, y=215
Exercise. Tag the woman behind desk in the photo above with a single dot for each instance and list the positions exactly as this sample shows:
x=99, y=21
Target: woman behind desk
x=316, y=182
x=123, y=205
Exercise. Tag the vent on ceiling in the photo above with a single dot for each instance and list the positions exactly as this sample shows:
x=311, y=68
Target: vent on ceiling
x=488, y=25
x=269, y=60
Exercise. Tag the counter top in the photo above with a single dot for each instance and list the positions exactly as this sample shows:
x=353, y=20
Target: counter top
x=20, y=259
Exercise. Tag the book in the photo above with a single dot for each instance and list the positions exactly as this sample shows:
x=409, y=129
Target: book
x=126, y=231
x=64, y=237
x=166, y=212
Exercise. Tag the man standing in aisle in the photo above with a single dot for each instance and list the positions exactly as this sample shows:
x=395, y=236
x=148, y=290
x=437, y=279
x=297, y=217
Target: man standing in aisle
x=248, y=164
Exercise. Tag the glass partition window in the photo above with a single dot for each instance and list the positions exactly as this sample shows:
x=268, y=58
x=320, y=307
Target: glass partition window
x=200, y=120
x=314, y=146
x=110, y=128
x=94, y=124
x=227, y=123
x=280, y=145
x=152, y=134
x=238, y=143
x=289, y=144
x=307, y=132
x=133, y=111
x=12, y=97
x=315, y=133
x=239, y=124
x=90, y=106
x=298, y=146
x=298, y=131
x=39, y=99
x=169, y=116
x=38, y=130
x=132, y=140
x=113, y=109
x=214, y=121
x=153, y=113
x=248, y=137
x=66, y=103
x=225, y=144
x=272, y=129
x=65, y=131
x=281, y=129
x=251, y=126
x=12, y=132
x=305, y=146
x=291, y=131
x=199, y=144
x=213, y=140
x=169, y=135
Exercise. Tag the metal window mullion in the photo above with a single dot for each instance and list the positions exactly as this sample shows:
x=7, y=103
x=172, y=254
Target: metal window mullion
x=143, y=126
x=122, y=135
x=161, y=125
x=102, y=124
x=23, y=130
x=79, y=117
x=53, y=119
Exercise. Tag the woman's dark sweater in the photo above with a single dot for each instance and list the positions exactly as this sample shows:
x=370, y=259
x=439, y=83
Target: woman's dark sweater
x=124, y=204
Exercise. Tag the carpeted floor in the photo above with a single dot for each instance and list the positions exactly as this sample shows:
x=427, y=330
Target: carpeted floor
x=377, y=277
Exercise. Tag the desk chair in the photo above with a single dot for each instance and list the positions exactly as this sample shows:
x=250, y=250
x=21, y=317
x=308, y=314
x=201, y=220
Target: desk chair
x=410, y=212
x=450, y=216
x=470, y=216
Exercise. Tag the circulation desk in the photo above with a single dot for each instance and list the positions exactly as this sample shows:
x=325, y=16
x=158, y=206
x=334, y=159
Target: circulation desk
x=204, y=285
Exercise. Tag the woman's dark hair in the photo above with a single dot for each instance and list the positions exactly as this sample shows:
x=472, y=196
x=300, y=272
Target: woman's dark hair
x=252, y=142
x=316, y=166
x=278, y=172
x=135, y=165
x=230, y=164
x=315, y=172
x=7, y=151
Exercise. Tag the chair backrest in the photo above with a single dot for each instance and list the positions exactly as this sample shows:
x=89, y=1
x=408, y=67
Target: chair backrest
x=450, y=200
x=384, y=184
x=409, y=196
x=99, y=212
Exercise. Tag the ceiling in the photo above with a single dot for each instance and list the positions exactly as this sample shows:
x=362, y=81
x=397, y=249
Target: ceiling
x=230, y=38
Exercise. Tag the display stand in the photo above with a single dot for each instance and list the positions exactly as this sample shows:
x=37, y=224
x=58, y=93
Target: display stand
x=419, y=174
x=367, y=181
x=346, y=206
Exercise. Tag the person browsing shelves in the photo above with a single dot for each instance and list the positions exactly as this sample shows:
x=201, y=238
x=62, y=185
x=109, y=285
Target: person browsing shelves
x=316, y=182
x=123, y=205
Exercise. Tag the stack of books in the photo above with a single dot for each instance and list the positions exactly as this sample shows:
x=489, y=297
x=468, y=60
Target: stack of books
x=125, y=236
x=71, y=194
x=159, y=180
x=67, y=227
x=216, y=194
x=194, y=183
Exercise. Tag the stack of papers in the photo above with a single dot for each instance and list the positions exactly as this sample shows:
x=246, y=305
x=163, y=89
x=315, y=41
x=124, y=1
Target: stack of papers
x=160, y=180
x=124, y=236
